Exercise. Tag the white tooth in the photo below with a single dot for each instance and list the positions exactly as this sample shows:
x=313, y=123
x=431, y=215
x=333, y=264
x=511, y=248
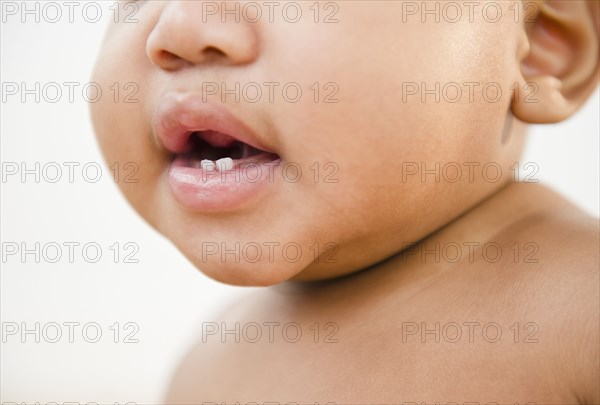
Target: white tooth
x=225, y=164
x=208, y=165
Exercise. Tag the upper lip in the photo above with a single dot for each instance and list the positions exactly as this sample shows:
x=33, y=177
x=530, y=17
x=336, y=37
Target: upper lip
x=179, y=115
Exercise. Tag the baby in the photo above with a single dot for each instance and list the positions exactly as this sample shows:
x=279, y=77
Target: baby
x=361, y=159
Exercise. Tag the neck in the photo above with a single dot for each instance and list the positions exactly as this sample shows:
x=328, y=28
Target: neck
x=437, y=253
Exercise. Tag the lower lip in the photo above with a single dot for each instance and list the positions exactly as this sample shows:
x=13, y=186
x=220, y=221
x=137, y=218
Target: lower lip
x=217, y=191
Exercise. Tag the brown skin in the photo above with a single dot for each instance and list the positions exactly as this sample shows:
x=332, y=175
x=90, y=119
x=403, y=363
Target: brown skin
x=554, y=361
x=372, y=213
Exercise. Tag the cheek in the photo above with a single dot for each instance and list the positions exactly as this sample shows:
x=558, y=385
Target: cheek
x=401, y=87
x=353, y=150
x=120, y=117
x=417, y=93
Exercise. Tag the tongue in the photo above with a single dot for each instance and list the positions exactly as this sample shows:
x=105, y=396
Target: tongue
x=217, y=139
x=213, y=145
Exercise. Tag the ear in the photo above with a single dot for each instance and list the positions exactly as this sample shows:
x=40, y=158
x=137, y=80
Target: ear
x=559, y=60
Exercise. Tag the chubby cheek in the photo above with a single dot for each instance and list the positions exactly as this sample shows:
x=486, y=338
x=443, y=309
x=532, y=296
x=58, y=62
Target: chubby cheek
x=120, y=117
x=361, y=155
x=420, y=102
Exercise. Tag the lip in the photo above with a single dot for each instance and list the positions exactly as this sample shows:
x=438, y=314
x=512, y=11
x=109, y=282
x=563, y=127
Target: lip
x=199, y=190
x=178, y=115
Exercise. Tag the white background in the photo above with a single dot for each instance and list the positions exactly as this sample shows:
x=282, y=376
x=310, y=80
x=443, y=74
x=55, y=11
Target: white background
x=163, y=294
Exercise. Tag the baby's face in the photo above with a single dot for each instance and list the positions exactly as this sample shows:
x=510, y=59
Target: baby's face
x=266, y=144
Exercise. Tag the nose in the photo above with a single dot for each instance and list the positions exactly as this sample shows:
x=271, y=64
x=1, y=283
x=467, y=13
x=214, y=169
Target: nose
x=192, y=32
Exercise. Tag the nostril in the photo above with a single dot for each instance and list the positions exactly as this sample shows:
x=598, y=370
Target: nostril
x=167, y=60
x=170, y=60
x=211, y=52
x=167, y=56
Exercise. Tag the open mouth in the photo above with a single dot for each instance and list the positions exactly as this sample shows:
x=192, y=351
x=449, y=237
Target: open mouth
x=218, y=163
x=214, y=151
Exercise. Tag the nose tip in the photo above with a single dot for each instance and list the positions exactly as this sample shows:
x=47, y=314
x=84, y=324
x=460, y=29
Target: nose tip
x=183, y=36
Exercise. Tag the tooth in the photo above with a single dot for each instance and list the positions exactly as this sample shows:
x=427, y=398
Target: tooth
x=225, y=164
x=208, y=165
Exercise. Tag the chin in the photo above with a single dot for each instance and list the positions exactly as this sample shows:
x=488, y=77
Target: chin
x=249, y=274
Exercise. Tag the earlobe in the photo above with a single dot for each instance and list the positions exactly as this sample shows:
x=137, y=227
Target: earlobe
x=559, y=60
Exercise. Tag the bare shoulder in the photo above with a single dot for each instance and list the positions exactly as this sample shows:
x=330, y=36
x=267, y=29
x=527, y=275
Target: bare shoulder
x=553, y=275
x=397, y=321
x=557, y=249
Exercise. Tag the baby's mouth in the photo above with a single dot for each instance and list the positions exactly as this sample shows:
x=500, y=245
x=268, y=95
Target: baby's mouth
x=218, y=163
x=212, y=171
x=213, y=151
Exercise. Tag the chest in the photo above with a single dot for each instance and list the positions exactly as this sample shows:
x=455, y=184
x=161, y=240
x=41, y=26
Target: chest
x=392, y=363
